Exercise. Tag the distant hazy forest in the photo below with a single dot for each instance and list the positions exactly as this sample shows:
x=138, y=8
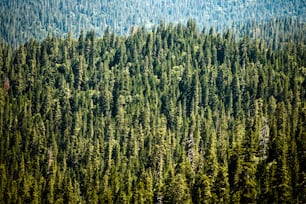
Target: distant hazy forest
x=21, y=20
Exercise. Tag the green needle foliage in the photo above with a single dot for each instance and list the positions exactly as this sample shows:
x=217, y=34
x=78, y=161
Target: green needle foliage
x=163, y=116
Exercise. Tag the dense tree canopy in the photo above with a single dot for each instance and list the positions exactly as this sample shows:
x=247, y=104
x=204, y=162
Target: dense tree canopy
x=170, y=115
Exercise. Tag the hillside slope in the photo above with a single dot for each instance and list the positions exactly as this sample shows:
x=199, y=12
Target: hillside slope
x=172, y=115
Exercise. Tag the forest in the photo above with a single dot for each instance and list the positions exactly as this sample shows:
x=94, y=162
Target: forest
x=168, y=115
x=21, y=20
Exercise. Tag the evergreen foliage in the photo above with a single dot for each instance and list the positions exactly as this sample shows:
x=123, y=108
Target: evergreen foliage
x=163, y=116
